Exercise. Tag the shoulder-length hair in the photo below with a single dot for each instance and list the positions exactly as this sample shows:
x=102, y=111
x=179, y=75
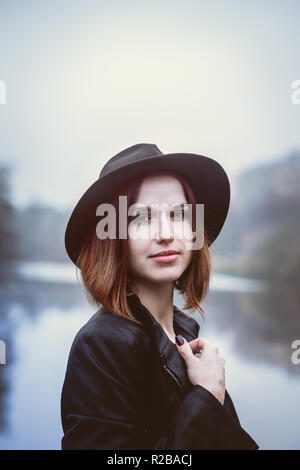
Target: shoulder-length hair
x=103, y=262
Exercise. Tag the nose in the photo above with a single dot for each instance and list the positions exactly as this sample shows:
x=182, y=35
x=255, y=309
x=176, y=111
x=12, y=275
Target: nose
x=164, y=229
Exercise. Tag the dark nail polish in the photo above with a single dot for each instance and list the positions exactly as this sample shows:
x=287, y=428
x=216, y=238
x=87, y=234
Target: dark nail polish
x=179, y=340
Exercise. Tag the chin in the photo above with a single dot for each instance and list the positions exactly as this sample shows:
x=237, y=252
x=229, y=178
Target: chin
x=165, y=278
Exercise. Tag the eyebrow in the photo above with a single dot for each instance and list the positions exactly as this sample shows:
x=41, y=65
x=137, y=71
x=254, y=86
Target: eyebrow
x=176, y=206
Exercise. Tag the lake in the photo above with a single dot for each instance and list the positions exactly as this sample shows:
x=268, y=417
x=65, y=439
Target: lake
x=254, y=324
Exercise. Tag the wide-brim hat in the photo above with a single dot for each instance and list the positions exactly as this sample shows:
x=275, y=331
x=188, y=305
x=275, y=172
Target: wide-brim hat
x=207, y=178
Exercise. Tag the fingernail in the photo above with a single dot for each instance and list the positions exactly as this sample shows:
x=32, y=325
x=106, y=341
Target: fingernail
x=179, y=340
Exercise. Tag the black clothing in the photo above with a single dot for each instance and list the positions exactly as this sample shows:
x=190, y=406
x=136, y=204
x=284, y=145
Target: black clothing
x=126, y=387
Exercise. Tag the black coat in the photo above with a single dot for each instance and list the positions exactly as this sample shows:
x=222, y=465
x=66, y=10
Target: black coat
x=126, y=387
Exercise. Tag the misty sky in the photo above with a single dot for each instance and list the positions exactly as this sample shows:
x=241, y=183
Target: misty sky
x=86, y=79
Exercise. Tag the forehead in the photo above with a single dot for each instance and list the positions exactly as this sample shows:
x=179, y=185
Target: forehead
x=161, y=189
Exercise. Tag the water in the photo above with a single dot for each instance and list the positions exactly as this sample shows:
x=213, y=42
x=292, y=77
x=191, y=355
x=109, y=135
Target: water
x=254, y=324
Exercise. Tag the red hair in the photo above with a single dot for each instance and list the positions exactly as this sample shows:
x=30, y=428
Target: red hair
x=103, y=263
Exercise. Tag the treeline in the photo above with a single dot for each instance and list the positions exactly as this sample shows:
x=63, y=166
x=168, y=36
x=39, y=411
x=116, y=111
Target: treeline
x=260, y=238
x=9, y=240
x=41, y=232
x=33, y=233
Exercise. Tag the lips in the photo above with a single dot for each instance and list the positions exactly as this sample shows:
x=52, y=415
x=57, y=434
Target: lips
x=165, y=253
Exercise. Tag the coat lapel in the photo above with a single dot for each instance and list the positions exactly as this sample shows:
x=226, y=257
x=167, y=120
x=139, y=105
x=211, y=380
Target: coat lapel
x=169, y=356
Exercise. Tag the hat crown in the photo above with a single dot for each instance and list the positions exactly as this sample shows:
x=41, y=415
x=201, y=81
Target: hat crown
x=130, y=155
x=207, y=178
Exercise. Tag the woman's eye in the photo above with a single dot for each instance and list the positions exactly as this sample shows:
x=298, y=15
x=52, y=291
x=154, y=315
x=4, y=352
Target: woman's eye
x=178, y=214
x=141, y=218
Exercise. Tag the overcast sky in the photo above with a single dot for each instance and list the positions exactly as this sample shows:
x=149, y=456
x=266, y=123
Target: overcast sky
x=86, y=79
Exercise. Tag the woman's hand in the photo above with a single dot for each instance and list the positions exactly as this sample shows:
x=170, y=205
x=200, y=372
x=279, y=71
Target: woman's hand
x=206, y=369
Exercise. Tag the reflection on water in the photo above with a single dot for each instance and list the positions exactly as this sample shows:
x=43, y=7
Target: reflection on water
x=253, y=327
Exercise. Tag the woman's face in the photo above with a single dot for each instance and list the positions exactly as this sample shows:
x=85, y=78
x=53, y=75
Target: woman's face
x=163, y=230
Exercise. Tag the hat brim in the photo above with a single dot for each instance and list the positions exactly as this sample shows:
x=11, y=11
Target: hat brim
x=207, y=177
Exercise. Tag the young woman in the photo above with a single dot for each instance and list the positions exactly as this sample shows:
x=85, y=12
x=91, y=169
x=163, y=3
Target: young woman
x=138, y=376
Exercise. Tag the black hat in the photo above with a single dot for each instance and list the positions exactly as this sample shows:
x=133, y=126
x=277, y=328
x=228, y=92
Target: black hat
x=207, y=178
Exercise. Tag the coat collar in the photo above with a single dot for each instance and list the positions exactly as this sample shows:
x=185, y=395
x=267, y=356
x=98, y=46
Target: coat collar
x=169, y=355
x=181, y=321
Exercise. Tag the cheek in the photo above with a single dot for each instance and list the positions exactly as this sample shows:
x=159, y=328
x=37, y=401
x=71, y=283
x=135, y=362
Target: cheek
x=183, y=231
x=188, y=231
x=137, y=249
x=189, y=255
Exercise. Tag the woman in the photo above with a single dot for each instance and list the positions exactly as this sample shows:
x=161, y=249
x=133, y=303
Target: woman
x=138, y=376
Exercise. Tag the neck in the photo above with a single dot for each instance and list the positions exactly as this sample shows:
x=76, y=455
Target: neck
x=159, y=301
